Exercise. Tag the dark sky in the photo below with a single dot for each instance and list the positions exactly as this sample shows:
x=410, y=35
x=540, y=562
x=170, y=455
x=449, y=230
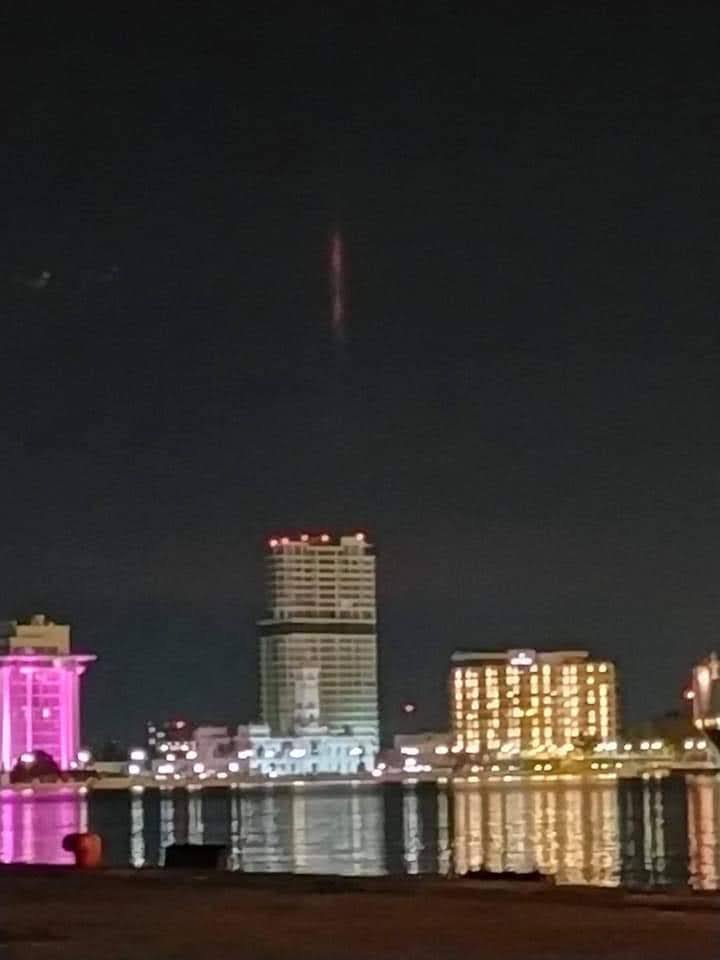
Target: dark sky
x=525, y=419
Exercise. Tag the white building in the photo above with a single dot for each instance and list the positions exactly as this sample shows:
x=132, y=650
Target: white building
x=304, y=755
x=309, y=749
x=320, y=609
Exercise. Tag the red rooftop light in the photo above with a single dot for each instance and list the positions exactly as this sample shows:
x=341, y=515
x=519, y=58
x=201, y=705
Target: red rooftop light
x=304, y=537
x=285, y=541
x=325, y=538
x=360, y=537
x=273, y=543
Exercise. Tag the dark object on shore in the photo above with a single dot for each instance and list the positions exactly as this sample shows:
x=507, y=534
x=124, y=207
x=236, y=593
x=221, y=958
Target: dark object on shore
x=198, y=856
x=530, y=875
x=87, y=848
x=37, y=765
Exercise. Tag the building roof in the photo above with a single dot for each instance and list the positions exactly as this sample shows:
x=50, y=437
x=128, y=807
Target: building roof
x=519, y=657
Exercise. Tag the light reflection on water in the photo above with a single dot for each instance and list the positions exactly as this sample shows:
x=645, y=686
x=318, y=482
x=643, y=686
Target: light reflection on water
x=32, y=828
x=569, y=831
x=643, y=832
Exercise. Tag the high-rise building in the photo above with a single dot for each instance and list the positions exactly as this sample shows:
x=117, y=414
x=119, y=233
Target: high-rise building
x=523, y=702
x=39, y=692
x=320, y=613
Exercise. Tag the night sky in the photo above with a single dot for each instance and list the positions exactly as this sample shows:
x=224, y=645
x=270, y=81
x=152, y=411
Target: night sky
x=525, y=415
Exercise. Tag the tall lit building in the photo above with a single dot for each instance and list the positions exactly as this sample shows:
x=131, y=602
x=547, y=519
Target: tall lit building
x=321, y=613
x=523, y=702
x=39, y=692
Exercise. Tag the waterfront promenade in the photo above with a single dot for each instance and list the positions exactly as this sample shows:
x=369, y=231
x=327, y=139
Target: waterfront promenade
x=61, y=913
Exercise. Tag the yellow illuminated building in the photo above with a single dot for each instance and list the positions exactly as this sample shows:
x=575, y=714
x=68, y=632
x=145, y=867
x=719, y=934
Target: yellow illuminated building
x=527, y=703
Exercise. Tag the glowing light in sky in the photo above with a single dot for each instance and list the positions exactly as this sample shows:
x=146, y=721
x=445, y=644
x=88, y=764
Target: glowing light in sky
x=337, y=286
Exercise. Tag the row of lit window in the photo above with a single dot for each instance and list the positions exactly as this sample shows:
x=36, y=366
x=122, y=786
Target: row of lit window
x=514, y=673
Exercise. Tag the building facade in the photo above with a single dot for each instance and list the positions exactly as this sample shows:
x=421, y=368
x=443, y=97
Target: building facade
x=307, y=749
x=39, y=693
x=304, y=754
x=320, y=612
x=523, y=702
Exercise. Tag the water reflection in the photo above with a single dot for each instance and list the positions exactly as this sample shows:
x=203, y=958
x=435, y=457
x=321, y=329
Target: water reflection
x=565, y=830
x=703, y=800
x=32, y=828
x=137, y=831
x=644, y=832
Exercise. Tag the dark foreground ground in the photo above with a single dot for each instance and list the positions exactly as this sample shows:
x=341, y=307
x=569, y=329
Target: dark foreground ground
x=115, y=914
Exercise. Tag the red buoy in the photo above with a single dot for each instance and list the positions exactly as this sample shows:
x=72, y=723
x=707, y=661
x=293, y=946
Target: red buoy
x=87, y=848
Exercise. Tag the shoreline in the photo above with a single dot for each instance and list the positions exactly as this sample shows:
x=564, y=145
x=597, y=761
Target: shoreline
x=141, y=784
x=161, y=914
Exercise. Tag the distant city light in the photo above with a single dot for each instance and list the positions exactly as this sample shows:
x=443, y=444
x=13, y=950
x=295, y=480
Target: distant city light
x=84, y=756
x=198, y=768
x=27, y=758
x=409, y=707
x=325, y=538
x=273, y=543
x=138, y=754
x=133, y=769
x=233, y=766
x=191, y=755
x=360, y=537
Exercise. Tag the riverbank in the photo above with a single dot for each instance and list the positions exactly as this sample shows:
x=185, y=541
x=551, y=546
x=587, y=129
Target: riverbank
x=60, y=913
x=139, y=784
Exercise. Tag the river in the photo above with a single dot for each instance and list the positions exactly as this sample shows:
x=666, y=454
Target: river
x=632, y=832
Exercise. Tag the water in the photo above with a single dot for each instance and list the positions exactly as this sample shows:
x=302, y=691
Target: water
x=644, y=832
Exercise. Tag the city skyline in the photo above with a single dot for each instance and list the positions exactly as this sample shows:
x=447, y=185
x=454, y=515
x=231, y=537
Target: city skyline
x=293, y=618
x=520, y=413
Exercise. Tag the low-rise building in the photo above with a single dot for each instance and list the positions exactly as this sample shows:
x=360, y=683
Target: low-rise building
x=305, y=754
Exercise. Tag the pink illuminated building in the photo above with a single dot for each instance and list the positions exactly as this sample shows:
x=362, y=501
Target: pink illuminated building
x=39, y=692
